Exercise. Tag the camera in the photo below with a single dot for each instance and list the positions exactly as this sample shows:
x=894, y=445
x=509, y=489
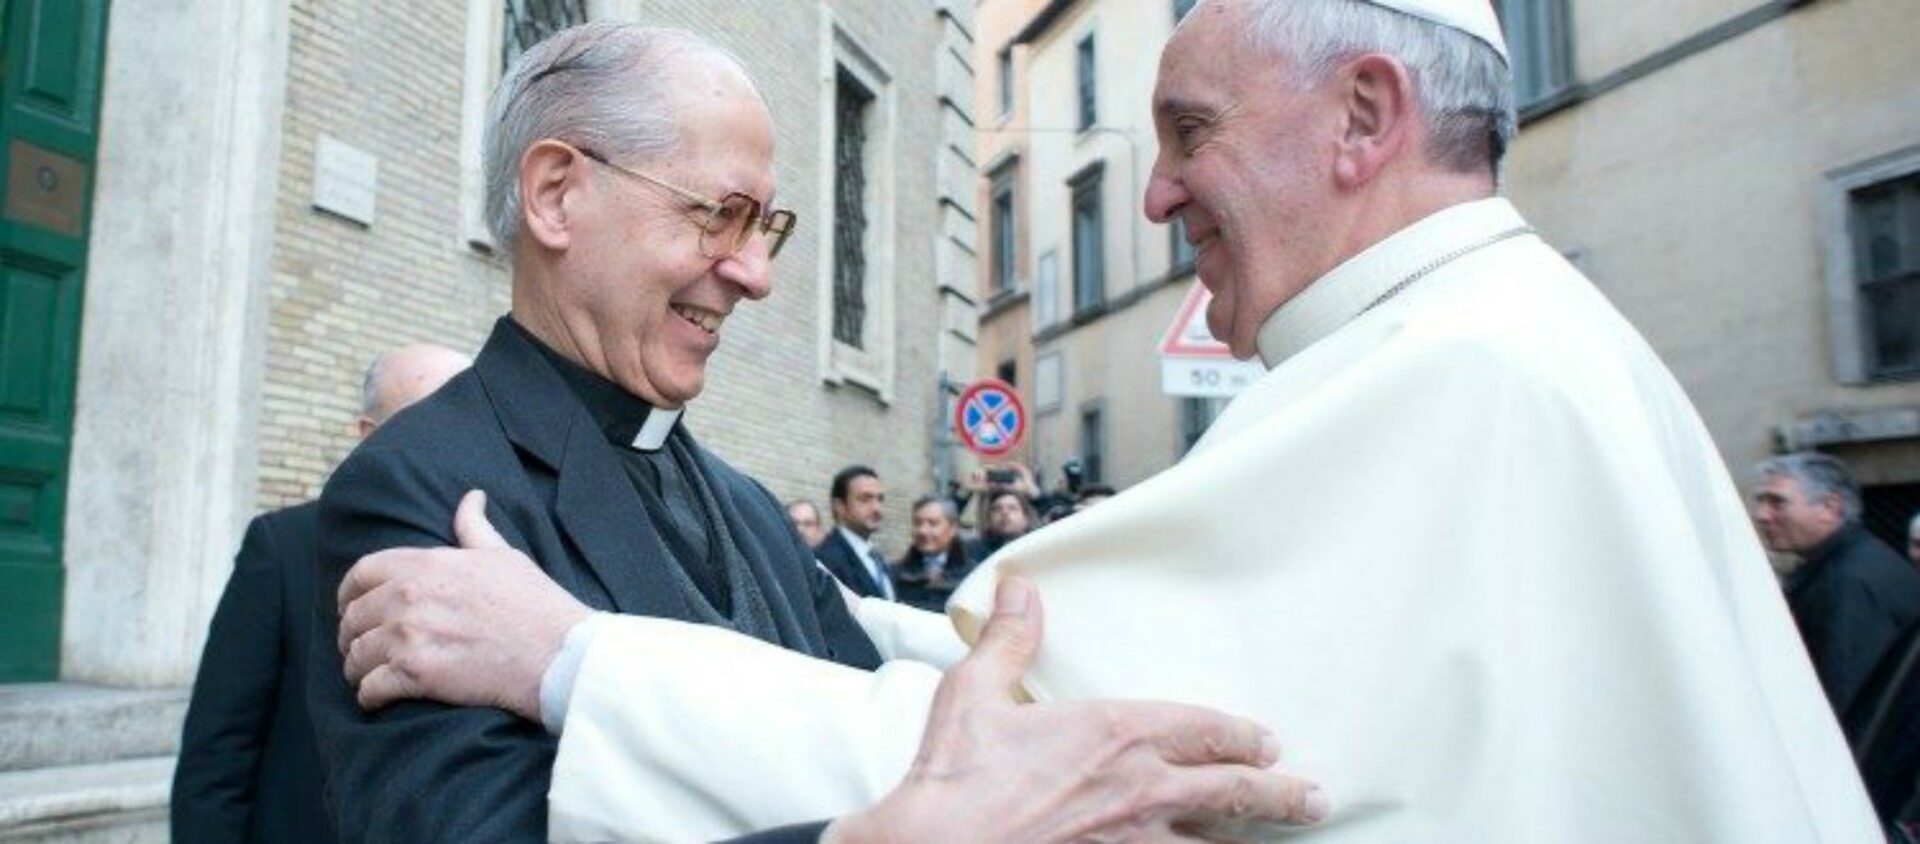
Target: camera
x=1002, y=476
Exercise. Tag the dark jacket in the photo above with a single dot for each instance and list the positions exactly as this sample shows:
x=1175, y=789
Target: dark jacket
x=1852, y=600
x=929, y=590
x=838, y=556
x=420, y=771
x=248, y=770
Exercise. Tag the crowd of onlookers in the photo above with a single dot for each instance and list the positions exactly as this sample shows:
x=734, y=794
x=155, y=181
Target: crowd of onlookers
x=951, y=533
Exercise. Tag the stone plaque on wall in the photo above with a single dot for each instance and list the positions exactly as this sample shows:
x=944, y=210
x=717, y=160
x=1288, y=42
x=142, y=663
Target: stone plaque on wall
x=345, y=180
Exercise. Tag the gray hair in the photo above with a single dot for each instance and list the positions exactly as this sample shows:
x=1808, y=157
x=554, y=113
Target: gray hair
x=1465, y=88
x=947, y=508
x=1819, y=475
x=603, y=85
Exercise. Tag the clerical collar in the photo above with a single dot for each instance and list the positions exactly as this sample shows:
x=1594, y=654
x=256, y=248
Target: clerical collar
x=1378, y=272
x=626, y=419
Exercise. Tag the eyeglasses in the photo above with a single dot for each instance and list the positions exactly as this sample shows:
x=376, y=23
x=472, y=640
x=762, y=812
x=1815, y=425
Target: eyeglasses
x=726, y=224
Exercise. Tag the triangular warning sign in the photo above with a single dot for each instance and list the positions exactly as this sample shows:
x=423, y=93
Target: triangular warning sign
x=1188, y=336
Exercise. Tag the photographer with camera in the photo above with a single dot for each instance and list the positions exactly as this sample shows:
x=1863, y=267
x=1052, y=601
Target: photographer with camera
x=1006, y=493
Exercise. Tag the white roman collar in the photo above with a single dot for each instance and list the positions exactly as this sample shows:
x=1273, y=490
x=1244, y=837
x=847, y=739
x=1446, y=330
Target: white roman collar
x=653, y=432
x=1365, y=279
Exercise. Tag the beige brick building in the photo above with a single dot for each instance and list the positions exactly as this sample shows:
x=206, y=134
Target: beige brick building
x=1077, y=286
x=1737, y=176
x=281, y=190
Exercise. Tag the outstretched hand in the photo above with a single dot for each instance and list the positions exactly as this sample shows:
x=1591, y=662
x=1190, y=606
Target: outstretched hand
x=469, y=626
x=1076, y=771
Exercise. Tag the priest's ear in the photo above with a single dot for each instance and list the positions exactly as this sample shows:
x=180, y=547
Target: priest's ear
x=1380, y=117
x=551, y=174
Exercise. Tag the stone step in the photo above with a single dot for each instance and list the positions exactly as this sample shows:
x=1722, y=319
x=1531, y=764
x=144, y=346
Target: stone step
x=119, y=801
x=56, y=725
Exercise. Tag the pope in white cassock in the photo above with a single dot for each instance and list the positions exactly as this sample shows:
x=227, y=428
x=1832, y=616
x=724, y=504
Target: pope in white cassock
x=1466, y=547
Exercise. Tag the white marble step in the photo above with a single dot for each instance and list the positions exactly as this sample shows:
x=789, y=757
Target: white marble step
x=54, y=725
x=123, y=800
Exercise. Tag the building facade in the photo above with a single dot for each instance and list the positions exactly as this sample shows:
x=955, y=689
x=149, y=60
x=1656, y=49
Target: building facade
x=1077, y=286
x=1742, y=179
x=220, y=211
x=1737, y=176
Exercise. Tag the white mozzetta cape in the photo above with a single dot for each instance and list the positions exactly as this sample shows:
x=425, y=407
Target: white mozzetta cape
x=1473, y=555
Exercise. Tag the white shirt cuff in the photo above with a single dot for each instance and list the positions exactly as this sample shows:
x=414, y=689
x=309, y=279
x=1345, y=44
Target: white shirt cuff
x=556, y=685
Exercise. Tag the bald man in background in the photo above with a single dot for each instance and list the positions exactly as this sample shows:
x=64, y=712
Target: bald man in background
x=248, y=771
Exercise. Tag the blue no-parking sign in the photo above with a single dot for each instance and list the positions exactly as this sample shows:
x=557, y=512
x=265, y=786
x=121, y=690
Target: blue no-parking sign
x=990, y=418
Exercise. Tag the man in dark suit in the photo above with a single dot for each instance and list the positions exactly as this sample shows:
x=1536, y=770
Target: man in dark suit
x=858, y=500
x=1853, y=596
x=628, y=170
x=938, y=560
x=248, y=771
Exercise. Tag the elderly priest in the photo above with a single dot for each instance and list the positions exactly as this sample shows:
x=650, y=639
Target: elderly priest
x=1467, y=546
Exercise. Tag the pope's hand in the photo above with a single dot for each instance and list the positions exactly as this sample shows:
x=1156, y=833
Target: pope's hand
x=470, y=626
x=991, y=769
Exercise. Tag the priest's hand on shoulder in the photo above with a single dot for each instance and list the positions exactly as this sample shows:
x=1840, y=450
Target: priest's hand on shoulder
x=469, y=626
x=993, y=769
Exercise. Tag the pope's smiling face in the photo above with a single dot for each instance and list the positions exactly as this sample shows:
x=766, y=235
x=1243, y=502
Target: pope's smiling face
x=1246, y=162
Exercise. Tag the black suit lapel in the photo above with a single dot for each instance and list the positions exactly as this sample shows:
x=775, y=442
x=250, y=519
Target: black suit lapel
x=601, y=512
x=594, y=501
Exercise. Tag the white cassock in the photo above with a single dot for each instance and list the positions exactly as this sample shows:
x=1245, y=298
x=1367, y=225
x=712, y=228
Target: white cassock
x=1467, y=548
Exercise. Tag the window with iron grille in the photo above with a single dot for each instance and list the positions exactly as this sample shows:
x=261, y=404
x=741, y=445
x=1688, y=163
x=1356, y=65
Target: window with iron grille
x=1093, y=444
x=1089, y=113
x=1540, y=44
x=528, y=22
x=1002, y=222
x=1884, y=222
x=1089, y=243
x=852, y=102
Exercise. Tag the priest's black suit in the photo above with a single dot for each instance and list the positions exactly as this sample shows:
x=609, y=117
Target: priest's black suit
x=557, y=490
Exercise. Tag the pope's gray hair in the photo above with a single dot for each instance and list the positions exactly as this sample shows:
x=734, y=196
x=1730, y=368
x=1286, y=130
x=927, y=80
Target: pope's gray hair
x=1819, y=475
x=1464, y=87
x=604, y=85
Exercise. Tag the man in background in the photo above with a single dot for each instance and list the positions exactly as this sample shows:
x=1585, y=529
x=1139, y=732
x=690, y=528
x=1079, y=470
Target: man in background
x=1852, y=596
x=1009, y=516
x=806, y=520
x=938, y=560
x=859, y=503
x=248, y=771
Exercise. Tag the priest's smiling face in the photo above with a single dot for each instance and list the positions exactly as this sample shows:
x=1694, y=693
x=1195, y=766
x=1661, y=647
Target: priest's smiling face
x=1246, y=161
x=630, y=290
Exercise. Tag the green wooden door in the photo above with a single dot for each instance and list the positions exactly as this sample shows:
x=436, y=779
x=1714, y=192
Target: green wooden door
x=49, y=116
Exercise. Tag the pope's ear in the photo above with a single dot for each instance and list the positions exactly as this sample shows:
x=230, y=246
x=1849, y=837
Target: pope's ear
x=551, y=175
x=1381, y=116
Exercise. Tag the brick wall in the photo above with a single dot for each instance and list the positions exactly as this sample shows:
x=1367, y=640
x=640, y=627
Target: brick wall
x=387, y=78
